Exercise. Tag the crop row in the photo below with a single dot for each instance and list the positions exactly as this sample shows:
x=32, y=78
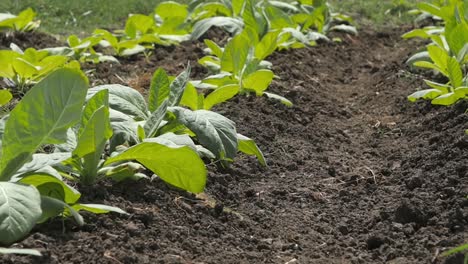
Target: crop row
x=446, y=56
x=113, y=131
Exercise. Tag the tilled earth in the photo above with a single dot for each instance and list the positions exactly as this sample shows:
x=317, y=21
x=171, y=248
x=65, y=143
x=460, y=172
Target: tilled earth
x=356, y=174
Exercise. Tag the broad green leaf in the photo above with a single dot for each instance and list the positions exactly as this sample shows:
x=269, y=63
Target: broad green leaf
x=214, y=131
x=282, y=99
x=98, y=100
x=430, y=8
x=171, y=9
x=174, y=140
x=277, y=18
x=6, y=63
x=441, y=87
x=446, y=99
x=235, y=54
x=53, y=207
x=124, y=99
x=41, y=160
x=258, y=81
x=43, y=116
x=51, y=186
x=138, y=24
x=420, y=33
x=267, y=45
x=98, y=208
x=253, y=21
x=455, y=73
x=5, y=97
x=215, y=49
x=232, y=25
x=20, y=251
x=424, y=94
x=249, y=147
x=152, y=124
x=177, y=87
x=178, y=166
x=206, y=10
x=20, y=208
x=190, y=97
x=462, y=91
x=237, y=7
x=220, y=95
x=440, y=58
x=159, y=89
x=24, y=19
x=24, y=68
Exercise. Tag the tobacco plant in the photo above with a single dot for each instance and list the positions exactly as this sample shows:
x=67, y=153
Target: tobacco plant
x=24, y=21
x=31, y=190
x=22, y=69
x=160, y=119
x=446, y=55
x=238, y=68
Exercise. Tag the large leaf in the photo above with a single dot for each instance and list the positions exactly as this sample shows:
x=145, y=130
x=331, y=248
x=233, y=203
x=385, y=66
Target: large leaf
x=124, y=99
x=214, y=131
x=51, y=186
x=20, y=208
x=178, y=166
x=220, y=95
x=440, y=58
x=159, y=89
x=235, y=54
x=169, y=9
x=232, y=25
x=41, y=160
x=5, y=97
x=43, y=116
x=258, y=81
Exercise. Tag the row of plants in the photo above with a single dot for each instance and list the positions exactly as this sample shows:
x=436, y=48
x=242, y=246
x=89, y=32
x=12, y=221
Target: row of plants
x=62, y=131
x=446, y=56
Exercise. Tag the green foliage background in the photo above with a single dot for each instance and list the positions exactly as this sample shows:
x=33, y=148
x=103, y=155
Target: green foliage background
x=83, y=16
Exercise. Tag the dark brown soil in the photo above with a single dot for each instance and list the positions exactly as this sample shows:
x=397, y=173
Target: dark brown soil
x=24, y=40
x=356, y=174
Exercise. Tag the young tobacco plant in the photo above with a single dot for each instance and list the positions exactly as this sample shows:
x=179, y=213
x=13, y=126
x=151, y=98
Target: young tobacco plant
x=82, y=50
x=160, y=119
x=443, y=93
x=31, y=191
x=240, y=69
x=447, y=54
x=22, y=69
x=24, y=21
